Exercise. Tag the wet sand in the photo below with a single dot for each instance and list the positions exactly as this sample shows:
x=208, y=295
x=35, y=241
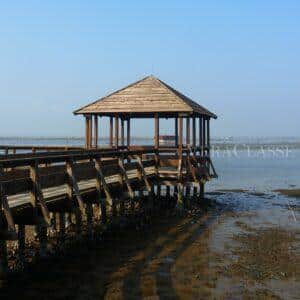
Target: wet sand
x=244, y=247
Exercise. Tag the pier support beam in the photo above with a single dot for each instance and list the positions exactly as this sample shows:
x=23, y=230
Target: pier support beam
x=128, y=133
x=180, y=138
x=90, y=131
x=122, y=133
x=176, y=132
x=203, y=137
x=188, y=131
x=21, y=246
x=116, y=131
x=200, y=135
x=96, y=131
x=208, y=143
x=194, y=134
x=156, y=131
x=87, y=130
x=111, y=130
x=201, y=195
x=3, y=259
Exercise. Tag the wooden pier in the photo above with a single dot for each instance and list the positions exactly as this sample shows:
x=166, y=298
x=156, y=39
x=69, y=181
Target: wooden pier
x=42, y=186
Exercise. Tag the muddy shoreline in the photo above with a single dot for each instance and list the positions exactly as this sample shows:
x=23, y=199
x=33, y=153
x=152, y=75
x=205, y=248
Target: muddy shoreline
x=245, y=246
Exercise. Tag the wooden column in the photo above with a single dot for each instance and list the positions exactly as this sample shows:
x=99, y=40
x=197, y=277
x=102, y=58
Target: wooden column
x=201, y=190
x=180, y=139
x=176, y=132
x=117, y=131
x=96, y=131
x=208, y=136
x=87, y=123
x=188, y=131
x=156, y=136
x=90, y=131
x=194, y=132
x=200, y=135
x=122, y=133
x=3, y=259
x=128, y=133
x=203, y=136
x=111, y=131
x=208, y=143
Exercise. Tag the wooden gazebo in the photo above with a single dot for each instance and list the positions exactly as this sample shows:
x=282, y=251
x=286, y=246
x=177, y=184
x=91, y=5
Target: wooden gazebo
x=148, y=98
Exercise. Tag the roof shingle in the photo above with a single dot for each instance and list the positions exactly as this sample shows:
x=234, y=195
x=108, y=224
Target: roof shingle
x=146, y=96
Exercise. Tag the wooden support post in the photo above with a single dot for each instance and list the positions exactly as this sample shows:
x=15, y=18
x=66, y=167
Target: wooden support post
x=128, y=133
x=74, y=185
x=201, y=190
x=73, y=189
x=90, y=132
x=96, y=131
x=203, y=137
x=143, y=173
x=111, y=130
x=157, y=162
x=194, y=133
x=11, y=228
x=101, y=200
x=122, y=133
x=126, y=179
x=175, y=191
x=180, y=199
x=117, y=131
x=127, y=182
x=89, y=220
x=200, y=135
x=195, y=191
x=43, y=240
x=3, y=259
x=101, y=177
x=37, y=196
x=87, y=130
x=180, y=138
x=188, y=131
x=187, y=194
x=62, y=227
x=156, y=135
x=4, y=206
x=180, y=146
x=176, y=132
x=208, y=145
x=21, y=246
x=168, y=191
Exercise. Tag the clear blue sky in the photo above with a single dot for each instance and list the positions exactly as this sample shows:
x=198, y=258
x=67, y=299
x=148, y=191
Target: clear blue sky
x=238, y=58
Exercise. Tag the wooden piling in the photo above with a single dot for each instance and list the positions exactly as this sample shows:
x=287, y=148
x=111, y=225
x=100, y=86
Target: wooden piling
x=21, y=246
x=201, y=193
x=89, y=220
x=3, y=259
x=62, y=227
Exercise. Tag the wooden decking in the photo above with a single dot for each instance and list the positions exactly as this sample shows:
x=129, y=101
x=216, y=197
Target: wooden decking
x=35, y=186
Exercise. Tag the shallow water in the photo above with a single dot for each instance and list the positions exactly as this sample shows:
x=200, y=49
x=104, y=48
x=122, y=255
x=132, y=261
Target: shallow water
x=183, y=256
x=173, y=257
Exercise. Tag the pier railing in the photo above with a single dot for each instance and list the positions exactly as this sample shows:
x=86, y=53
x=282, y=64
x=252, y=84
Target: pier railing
x=40, y=189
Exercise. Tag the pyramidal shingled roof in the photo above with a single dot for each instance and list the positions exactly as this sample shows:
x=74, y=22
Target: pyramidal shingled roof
x=146, y=96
